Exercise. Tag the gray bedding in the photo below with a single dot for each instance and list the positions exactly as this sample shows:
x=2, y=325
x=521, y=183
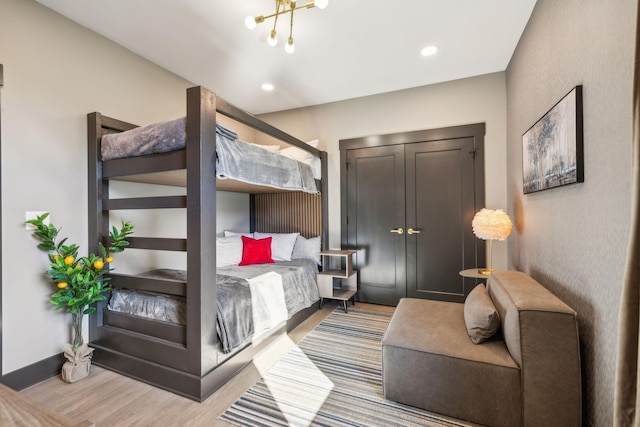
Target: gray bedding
x=235, y=159
x=153, y=139
x=234, y=319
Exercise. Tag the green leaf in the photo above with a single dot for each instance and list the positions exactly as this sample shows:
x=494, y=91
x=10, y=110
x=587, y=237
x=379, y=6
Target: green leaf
x=85, y=284
x=61, y=242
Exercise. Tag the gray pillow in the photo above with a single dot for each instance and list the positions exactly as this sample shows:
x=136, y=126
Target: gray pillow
x=480, y=315
x=307, y=248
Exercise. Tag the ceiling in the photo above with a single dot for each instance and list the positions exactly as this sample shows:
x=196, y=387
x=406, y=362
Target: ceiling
x=350, y=49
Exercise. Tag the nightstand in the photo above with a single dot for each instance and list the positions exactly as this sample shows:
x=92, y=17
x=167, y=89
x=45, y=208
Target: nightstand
x=338, y=264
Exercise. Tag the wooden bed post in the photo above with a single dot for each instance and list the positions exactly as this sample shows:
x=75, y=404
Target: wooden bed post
x=325, y=199
x=98, y=191
x=201, y=230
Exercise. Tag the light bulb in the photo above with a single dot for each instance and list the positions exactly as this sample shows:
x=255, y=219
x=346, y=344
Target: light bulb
x=290, y=47
x=321, y=4
x=429, y=50
x=273, y=39
x=250, y=22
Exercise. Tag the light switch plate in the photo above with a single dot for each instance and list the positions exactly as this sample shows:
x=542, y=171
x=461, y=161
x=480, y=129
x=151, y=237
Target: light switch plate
x=34, y=215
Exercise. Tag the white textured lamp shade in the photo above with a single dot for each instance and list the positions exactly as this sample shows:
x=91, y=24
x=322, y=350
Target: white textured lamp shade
x=490, y=224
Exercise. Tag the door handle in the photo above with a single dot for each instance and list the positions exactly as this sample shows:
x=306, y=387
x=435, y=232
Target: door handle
x=398, y=230
x=412, y=231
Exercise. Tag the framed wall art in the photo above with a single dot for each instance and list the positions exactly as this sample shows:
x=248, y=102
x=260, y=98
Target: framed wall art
x=552, y=150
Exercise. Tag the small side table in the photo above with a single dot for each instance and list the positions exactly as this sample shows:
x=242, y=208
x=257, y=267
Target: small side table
x=332, y=262
x=473, y=272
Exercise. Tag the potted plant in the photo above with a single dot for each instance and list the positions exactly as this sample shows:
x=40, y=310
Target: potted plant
x=80, y=283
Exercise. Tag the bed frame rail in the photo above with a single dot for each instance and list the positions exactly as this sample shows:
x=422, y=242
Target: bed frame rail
x=155, y=328
x=166, y=202
x=152, y=163
x=163, y=286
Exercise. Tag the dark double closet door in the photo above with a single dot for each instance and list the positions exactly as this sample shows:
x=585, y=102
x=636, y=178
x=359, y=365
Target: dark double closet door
x=407, y=204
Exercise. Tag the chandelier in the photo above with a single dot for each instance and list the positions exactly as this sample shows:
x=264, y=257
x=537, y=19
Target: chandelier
x=283, y=7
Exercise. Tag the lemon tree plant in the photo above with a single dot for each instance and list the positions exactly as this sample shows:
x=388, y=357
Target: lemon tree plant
x=79, y=281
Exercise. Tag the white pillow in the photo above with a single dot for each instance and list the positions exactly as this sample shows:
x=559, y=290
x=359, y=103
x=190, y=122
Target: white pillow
x=303, y=156
x=316, y=164
x=228, y=251
x=316, y=167
x=307, y=248
x=298, y=154
x=228, y=233
x=281, y=244
x=272, y=148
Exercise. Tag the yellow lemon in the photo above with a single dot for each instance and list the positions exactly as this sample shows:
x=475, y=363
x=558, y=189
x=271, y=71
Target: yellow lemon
x=69, y=259
x=62, y=285
x=98, y=264
x=109, y=259
x=55, y=257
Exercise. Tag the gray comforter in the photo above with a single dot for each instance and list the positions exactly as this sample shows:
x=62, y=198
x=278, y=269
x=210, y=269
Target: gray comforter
x=235, y=159
x=234, y=320
x=252, y=164
x=156, y=138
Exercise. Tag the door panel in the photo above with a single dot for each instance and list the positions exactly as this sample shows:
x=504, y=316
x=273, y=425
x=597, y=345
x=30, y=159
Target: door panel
x=375, y=205
x=440, y=187
x=431, y=181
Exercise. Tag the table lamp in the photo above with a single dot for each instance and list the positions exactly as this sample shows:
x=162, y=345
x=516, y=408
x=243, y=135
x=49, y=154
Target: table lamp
x=491, y=225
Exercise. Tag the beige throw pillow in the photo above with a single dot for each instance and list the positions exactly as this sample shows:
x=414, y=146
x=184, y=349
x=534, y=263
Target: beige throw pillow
x=480, y=315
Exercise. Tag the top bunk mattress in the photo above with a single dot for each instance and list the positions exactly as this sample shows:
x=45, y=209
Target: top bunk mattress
x=235, y=159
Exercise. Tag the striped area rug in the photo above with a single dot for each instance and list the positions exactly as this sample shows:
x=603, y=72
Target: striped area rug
x=332, y=378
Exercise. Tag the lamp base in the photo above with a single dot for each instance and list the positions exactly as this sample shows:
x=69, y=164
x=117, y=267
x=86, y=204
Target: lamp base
x=485, y=271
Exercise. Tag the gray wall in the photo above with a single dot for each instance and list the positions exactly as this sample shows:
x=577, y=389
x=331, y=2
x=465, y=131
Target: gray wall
x=459, y=102
x=55, y=72
x=573, y=239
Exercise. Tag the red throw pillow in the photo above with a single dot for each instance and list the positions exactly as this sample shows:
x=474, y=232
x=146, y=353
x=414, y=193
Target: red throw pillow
x=256, y=251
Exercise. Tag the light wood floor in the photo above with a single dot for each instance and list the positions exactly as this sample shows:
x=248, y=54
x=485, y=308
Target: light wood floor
x=110, y=399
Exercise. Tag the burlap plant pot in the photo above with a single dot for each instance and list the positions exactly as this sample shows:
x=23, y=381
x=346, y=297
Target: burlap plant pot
x=78, y=362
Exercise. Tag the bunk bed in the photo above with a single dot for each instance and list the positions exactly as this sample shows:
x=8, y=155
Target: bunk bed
x=187, y=357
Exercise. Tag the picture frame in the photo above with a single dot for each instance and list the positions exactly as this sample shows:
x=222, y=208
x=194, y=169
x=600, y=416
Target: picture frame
x=552, y=149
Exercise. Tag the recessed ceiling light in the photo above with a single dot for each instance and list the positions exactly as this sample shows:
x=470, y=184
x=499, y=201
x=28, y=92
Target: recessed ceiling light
x=429, y=50
x=267, y=87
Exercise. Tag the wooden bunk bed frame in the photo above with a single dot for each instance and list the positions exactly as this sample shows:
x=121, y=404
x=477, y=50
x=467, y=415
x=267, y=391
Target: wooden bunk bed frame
x=173, y=357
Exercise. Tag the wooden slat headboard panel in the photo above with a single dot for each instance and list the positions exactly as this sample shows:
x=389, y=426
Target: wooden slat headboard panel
x=289, y=213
